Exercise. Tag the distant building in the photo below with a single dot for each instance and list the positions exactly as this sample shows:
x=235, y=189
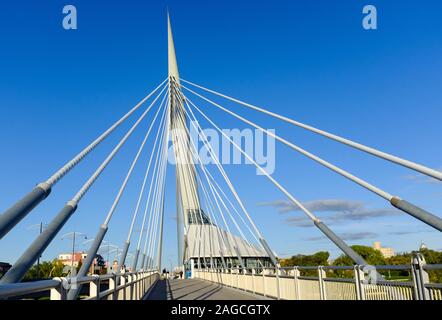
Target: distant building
x=386, y=252
x=97, y=266
x=66, y=258
x=423, y=246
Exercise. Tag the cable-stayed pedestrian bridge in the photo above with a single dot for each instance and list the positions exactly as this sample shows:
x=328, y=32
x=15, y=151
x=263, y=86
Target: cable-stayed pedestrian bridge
x=222, y=253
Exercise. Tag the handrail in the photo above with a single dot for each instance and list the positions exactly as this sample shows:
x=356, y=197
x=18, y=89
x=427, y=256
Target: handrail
x=290, y=283
x=26, y=288
x=17, y=289
x=432, y=266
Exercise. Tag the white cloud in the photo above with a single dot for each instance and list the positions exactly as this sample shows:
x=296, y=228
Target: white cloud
x=423, y=178
x=341, y=211
x=349, y=236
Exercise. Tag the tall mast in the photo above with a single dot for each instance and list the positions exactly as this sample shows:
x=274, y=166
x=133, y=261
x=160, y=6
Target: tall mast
x=173, y=65
x=187, y=190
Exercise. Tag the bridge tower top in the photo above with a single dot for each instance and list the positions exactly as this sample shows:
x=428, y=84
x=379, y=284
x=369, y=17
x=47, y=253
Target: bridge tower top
x=173, y=65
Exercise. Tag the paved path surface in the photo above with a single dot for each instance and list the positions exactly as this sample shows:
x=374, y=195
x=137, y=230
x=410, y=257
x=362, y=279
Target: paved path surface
x=196, y=289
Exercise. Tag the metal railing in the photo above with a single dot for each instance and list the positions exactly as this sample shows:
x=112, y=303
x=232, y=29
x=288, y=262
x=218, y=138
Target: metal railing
x=127, y=286
x=325, y=283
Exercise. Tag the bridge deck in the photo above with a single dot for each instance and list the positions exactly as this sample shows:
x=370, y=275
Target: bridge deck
x=196, y=289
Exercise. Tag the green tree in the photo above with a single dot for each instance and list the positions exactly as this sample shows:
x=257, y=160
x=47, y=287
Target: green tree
x=318, y=259
x=433, y=257
x=370, y=255
x=48, y=269
x=399, y=259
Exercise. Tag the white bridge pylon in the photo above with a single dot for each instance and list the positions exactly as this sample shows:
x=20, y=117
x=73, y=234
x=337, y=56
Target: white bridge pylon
x=200, y=239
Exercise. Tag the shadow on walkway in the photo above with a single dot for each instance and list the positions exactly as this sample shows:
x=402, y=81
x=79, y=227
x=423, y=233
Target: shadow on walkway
x=159, y=292
x=196, y=289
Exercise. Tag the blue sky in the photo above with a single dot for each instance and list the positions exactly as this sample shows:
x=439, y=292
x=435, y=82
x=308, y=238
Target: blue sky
x=309, y=60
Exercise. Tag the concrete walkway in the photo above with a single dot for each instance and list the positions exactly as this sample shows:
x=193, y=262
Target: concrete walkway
x=196, y=289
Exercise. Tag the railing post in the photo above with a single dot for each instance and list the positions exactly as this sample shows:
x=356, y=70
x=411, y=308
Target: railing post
x=359, y=282
x=420, y=276
x=296, y=275
x=278, y=284
x=60, y=291
x=322, y=274
x=264, y=282
x=142, y=280
x=237, y=277
x=94, y=287
x=113, y=286
x=135, y=286
x=244, y=273
x=144, y=285
x=130, y=287
x=122, y=291
x=145, y=282
x=140, y=285
x=253, y=281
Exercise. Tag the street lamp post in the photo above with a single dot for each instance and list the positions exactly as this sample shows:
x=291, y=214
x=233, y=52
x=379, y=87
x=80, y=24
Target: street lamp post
x=74, y=235
x=40, y=227
x=38, y=260
x=107, y=245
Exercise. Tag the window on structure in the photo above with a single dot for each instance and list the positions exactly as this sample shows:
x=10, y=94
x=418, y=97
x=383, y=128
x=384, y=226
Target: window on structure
x=197, y=217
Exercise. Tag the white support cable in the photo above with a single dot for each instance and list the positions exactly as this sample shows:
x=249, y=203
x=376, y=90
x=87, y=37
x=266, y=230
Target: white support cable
x=187, y=172
x=152, y=203
x=216, y=196
x=154, y=212
x=211, y=207
x=211, y=188
x=335, y=239
x=209, y=212
x=163, y=166
x=134, y=162
x=161, y=199
x=214, y=192
x=152, y=180
x=154, y=172
x=321, y=161
x=216, y=184
x=179, y=205
x=109, y=158
x=180, y=213
x=104, y=226
x=140, y=196
x=153, y=219
x=160, y=207
x=72, y=163
x=380, y=154
x=229, y=183
x=161, y=228
x=276, y=183
x=203, y=230
x=180, y=172
x=151, y=216
x=199, y=129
